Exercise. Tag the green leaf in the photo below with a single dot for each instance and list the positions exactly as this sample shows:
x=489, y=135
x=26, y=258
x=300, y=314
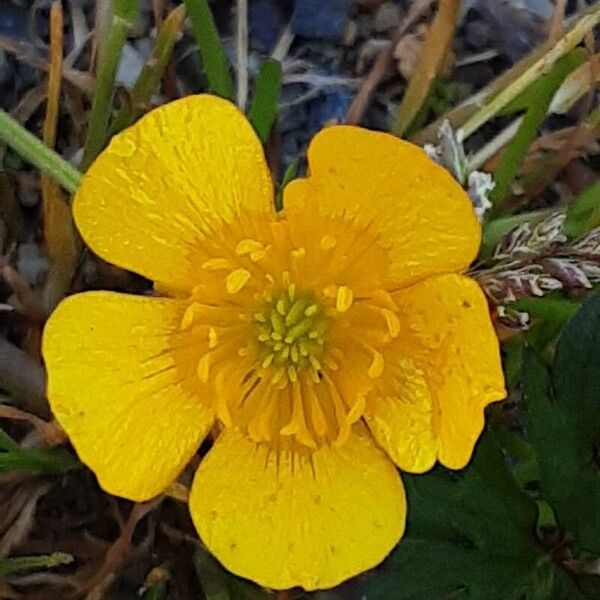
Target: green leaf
x=33, y=460
x=8, y=566
x=214, y=60
x=219, y=584
x=569, y=481
x=576, y=372
x=263, y=109
x=470, y=534
x=289, y=175
x=583, y=213
x=535, y=100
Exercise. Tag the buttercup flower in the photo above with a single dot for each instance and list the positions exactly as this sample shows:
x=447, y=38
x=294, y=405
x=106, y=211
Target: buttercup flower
x=323, y=346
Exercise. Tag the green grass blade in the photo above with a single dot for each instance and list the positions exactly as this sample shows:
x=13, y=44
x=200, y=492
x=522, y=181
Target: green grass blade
x=583, y=213
x=149, y=79
x=263, y=109
x=33, y=460
x=216, y=67
x=34, y=151
x=8, y=566
x=124, y=13
x=538, y=96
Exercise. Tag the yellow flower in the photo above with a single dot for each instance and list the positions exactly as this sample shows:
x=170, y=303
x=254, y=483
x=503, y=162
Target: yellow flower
x=325, y=344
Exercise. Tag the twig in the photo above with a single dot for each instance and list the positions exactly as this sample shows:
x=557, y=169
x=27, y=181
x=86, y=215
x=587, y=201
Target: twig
x=569, y=41
x=382, y=64
x=23, y=378
x=242, y=53
x=556, y=26
x=118, y=552
x=59, y=230
x=49, y=432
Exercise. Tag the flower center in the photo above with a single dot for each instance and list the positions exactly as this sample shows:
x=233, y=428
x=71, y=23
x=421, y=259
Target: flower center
x=291, y=330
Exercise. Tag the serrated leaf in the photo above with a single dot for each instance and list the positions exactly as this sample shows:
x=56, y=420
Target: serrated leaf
x=569, y=480
x=470, y=534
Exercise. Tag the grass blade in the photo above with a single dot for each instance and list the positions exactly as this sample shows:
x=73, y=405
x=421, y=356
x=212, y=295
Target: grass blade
x=435, y=50
x=34, y=151
x=149, y=79
x=215, y=65
x=124, y=12
x=536, y=98
x=263, y=109
x=8, y=566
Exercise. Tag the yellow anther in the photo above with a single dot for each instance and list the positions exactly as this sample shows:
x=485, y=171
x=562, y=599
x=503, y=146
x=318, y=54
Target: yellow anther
x=236, y=280
x=279, y=375
x=376, y=368
x=253, y=248
x=344, y=298
x=294, y=354
x=212, y=337
x=291, y=291
x=188, y=317
x=268, y=360
x=260, y=317
x=203, y=368
x=292, y=373
x=216, y=264
x=243, y=352
x=328, y=242
x=392, y=321
x=276, y=336
x=281, y=307
x=315, y=363
x=313, y=309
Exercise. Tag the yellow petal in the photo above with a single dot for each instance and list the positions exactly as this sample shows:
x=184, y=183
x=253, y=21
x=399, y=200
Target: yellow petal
x=150, y=197
x=423, y=215
x=121, y=392
x=442, y=370
x=289, y=521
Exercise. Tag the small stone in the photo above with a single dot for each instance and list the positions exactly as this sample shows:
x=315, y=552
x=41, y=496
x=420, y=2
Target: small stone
x=387, y=17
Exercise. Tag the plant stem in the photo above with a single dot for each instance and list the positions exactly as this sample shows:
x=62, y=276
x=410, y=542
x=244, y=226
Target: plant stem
x=124, y=12
x=23, y=563
x=37, y=153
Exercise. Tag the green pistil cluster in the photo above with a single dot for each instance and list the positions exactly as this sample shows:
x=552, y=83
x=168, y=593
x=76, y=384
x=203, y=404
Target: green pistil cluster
x=291, y=332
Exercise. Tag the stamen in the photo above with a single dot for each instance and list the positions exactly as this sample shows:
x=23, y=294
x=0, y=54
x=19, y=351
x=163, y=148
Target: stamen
x=216, y=264
x=253, y=248
x=376, y=368
x=392, y=321
x=203, y=368
x=328, y=242
x=344, y=298
x=236, y=280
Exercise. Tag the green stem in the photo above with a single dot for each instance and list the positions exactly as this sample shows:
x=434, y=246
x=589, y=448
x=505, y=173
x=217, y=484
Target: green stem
x=33, y=150
x=124, y=12
x=24, y=563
